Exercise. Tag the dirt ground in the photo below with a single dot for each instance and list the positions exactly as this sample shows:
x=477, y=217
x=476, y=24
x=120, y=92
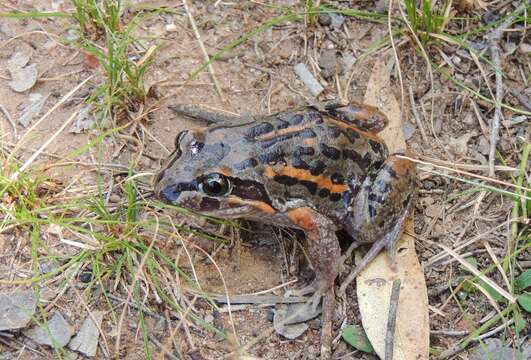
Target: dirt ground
x=257, y=77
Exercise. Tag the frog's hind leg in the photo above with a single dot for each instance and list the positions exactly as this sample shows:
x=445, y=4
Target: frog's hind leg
x=380, y=210
x=362, y=116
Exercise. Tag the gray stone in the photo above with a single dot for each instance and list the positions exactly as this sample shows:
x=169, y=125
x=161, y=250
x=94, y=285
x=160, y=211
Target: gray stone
x=408, y=130
x=308, y=79
x=32, y=109
x=86, y=340
x=16, y=309
x=22, y=77
x=328, y=63
x=493, y=349
x=55, y=332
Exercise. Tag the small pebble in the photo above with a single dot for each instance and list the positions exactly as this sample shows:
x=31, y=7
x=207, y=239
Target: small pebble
x=171, y=27
x=408, y=130
x=85, y=276
x=209, y=319
x=325, y=19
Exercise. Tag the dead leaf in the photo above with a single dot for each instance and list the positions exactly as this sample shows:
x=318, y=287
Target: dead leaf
x=32, y=109
x=92, y=61
x=375, y=282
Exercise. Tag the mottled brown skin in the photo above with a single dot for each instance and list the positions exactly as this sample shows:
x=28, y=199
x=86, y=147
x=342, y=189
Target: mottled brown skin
x=316, y=170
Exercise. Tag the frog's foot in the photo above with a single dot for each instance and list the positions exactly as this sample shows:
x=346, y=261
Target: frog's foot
x=388, y=241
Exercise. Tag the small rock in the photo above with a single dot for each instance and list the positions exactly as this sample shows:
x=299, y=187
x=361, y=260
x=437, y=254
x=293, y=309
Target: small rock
x=324, y=19
x=209, y=319
x=493, y=349
x=483, y=145
x=18, y=60
x=490, y=16
x=32, y=109
x=171, y=27
x=459, y=146
x=337, y=20
x=525, y=48
x=86, y=340
x=16, y=309
x=85, y=277
x=84, y=120
x=433, y=211
x=308, y=79
x=456, y=60
x=348, y=61
x=22, y=77
x=328, y=63
x=408, y=130
x=55, y=331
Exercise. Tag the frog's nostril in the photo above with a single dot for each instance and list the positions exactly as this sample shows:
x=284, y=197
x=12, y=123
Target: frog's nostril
x=169, y=194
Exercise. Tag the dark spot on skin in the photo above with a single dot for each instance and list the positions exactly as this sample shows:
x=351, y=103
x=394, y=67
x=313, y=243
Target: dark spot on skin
x=376, y=147
x=299, y=164
x=300, y=150
x=347, y=197
x=333, y=131
x=311, y=186
x=314, y=117
x=245, y=164
x=352, y=135
x=317, y=167
x=272, y=157
x=335, y=197
x=363, y=162
x=324, y=193
x=268, y=143
x=329, y=151
x=209, y=204
x=282, y=124
x=285, y=180
x=372, y=211
x=296, y=119
x=337, y=178
x=260, y=129
x=248, y=189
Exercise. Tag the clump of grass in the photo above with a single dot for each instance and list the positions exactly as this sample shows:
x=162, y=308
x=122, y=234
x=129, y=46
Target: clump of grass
x=427, y=18
x=110, y=44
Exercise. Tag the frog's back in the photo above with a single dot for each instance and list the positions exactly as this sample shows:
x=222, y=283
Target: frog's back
x=305, y=156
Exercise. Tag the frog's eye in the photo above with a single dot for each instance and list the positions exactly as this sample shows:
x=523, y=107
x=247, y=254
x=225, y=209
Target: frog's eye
x=215, y=184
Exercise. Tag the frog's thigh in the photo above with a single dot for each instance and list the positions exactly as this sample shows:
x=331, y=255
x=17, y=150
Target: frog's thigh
x=380, y=207
x=323, y=246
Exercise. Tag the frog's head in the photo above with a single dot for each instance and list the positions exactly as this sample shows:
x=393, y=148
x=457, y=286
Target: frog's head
x=199, y=176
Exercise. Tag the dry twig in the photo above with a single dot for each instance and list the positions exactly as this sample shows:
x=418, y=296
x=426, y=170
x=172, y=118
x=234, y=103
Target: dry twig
x=494, y=38
x=203, y=49
x=391, y=320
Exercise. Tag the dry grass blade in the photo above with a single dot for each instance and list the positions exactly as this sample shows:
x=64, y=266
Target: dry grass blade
x=477, y=273
x=32, y=158
x=203, y=49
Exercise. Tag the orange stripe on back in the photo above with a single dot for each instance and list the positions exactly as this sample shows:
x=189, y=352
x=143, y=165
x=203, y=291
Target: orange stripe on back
x=305, y=175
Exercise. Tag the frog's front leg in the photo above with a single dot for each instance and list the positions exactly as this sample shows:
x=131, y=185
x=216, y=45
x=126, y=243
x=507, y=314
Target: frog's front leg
x=380, y=210
x=324, y=253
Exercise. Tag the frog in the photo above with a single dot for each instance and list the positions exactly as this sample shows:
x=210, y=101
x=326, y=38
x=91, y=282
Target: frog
x=320, y=169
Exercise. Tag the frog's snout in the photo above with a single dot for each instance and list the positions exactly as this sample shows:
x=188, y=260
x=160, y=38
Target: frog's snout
x=163, y=191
